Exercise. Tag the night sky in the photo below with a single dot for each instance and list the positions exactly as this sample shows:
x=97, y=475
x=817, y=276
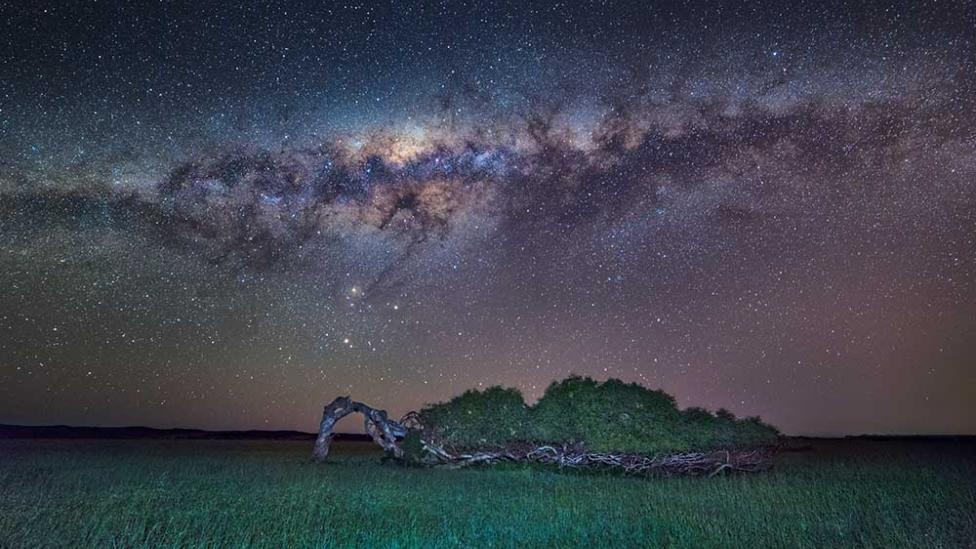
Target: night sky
x=223, y=217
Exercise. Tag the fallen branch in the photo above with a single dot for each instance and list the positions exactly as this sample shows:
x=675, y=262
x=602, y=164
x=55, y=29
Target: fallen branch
x=685, y=463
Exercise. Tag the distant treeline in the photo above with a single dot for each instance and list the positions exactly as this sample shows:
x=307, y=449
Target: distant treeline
x=64, y=431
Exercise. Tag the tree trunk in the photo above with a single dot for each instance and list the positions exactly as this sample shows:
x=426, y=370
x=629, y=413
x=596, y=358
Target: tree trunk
x=383, y=430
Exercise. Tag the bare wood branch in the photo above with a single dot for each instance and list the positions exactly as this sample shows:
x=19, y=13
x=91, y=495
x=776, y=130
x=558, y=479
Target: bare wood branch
x=382, y=429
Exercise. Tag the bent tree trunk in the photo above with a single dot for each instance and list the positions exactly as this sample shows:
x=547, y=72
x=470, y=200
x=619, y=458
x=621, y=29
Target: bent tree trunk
x=383, y=430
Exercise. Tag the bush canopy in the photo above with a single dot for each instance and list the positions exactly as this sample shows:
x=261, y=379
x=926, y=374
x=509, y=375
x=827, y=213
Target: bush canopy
x=609, y=416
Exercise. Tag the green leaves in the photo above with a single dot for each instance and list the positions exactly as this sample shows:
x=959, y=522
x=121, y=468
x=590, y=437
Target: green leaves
x=492, y=417
x=602, y=416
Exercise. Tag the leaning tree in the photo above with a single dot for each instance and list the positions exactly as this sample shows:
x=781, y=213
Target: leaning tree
x=410, y=439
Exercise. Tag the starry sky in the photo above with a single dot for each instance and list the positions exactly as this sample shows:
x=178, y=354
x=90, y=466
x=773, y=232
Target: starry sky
x=224, y=216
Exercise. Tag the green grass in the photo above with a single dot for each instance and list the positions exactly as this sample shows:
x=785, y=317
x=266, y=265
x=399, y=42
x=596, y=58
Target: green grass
x=235, y=494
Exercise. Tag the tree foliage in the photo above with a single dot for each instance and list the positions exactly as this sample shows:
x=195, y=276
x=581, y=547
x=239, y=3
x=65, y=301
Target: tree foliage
x=493, y=417
x=609, y=416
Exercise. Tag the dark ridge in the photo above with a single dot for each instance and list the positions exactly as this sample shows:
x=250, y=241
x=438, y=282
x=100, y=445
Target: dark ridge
x=964, y=443
x=66, y=431
x=896, y=438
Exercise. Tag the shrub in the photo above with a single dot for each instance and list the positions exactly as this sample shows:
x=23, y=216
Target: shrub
x=492, y=417
x=608, y=416
x=413, y=447
x=601, y=416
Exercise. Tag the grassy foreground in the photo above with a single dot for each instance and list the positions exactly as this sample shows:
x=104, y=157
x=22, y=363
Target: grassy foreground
x=232, y=493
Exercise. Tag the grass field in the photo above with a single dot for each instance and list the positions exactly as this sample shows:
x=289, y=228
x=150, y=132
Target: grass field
x=229, y=493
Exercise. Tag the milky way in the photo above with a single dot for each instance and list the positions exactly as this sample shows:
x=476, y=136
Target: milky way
x=223, y=217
